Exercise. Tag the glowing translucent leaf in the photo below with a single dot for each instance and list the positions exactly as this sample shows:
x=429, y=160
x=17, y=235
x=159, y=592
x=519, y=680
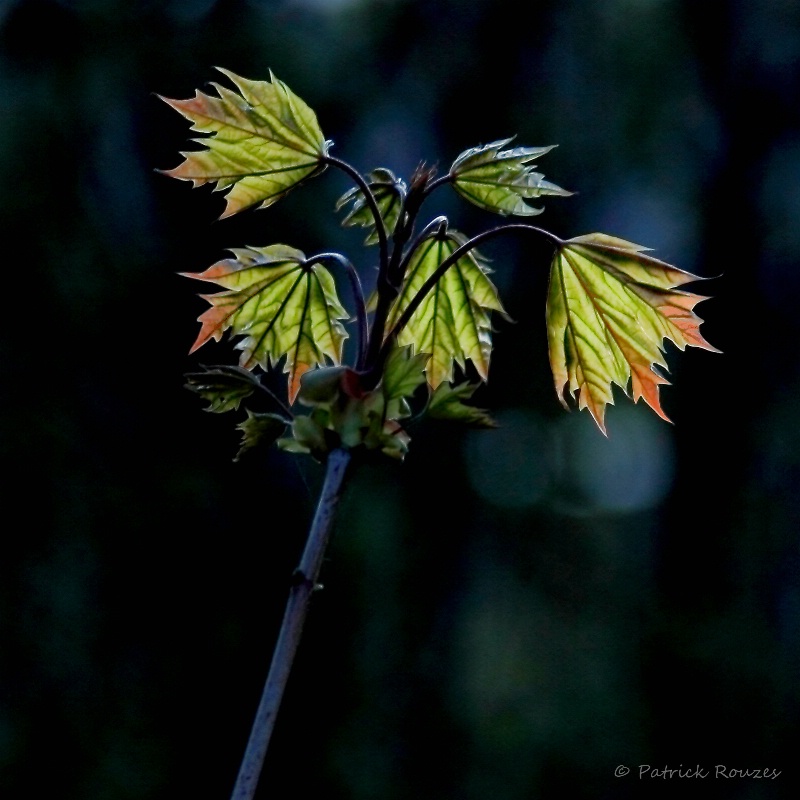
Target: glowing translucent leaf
x=279, y=305
x=502, y=180
x=389, y=193
x=453, y=322
x=261, y=141
x=610, y=308
x=403, y=374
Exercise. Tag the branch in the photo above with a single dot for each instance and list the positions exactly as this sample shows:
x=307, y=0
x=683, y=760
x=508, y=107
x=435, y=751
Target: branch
x=390, y=279
x=304, y=583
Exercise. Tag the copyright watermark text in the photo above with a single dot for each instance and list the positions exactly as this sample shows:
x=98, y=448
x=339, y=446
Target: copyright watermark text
x=718, y=771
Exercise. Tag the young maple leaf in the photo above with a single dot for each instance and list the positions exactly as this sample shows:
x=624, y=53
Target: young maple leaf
x=279, y=304
x=503, y=181
x=446, y=402
x=609, y=309
x=453, y=322
x=389, y=192
x=261, y=142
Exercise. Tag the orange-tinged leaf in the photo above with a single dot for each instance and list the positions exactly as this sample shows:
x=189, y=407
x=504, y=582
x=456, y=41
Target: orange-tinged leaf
x=281, y=307
x=610, y=308
x=259, y=143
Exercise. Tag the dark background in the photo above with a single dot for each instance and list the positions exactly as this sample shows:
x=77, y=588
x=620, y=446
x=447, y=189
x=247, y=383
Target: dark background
x=509, y=614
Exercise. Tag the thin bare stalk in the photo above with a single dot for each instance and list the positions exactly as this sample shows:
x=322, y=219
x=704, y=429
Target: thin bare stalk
x=303, y=584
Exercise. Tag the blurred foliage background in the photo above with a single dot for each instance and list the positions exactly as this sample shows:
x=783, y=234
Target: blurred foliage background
x=510, y=613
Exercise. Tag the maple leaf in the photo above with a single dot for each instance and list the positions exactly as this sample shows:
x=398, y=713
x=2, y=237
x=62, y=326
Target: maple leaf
x=389, y=193
x=223, y=387
x=610, y=307
x=403, y=374
x=453, y=322
x=282, y=307
x=446, y=403
x=261, y=142
x=260, y=429
x=502, y=180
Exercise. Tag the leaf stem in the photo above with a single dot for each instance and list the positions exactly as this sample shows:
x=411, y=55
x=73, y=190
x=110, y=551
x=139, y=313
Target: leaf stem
x=435, y=226
x=303, y=584
x=433, y=185
x=358, y=294
x=362, y=184
x=458, y=253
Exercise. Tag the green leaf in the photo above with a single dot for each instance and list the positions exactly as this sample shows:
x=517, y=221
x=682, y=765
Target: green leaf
x=262, y=141
x=447, y=403
x=371, y=303
x=260, y=429
x=609, y=309
x=389, y=193
x=453, y=322
x=223, y=387
x=403, y=374
x=502, y=180
x=281, y=306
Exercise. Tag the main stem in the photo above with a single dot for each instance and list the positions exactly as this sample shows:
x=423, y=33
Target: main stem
x=303, y=584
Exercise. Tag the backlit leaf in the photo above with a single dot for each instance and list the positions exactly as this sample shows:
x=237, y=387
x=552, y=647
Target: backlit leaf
x=610, y=308
x=447, y=403
x=261, y=141
x=453, y=322
x=502, y=180
x=281, y=306
x=389, y=193
x=403, y=374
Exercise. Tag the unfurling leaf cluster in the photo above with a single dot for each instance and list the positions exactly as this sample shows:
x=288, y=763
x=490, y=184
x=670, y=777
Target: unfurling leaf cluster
x=424, y=336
